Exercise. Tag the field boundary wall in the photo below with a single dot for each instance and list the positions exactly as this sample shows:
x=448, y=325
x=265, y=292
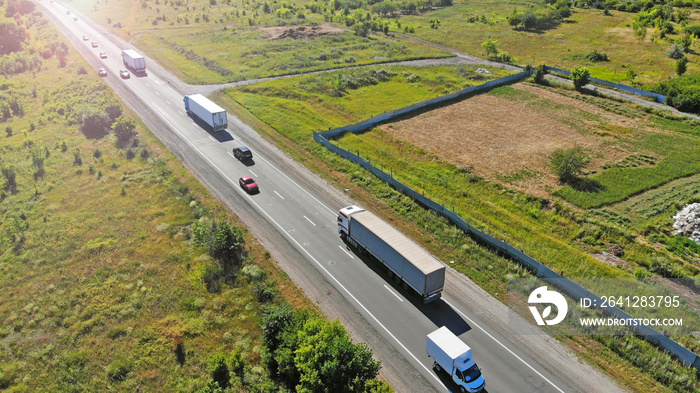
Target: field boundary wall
x=613, y=85
x=566, y=285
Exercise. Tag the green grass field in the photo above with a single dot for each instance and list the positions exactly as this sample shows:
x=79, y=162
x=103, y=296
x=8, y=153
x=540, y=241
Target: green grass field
x=564, y=46
x=229, y=49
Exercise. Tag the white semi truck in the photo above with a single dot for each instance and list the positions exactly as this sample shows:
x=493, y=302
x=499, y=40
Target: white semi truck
x=133, y=60
x=405, y=261
x=210, y=113
x=455, y=357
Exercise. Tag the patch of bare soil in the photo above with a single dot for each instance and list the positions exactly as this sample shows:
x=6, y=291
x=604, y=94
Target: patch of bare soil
x=496, y=136
x=299, y=32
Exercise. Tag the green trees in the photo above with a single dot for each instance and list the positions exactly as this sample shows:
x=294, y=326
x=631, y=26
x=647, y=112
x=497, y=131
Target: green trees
x=309, y=354
x=123, y=129
x=225, y=245
x=490, y=47
x=568, y=164
x=580, y=76
x=681, y=66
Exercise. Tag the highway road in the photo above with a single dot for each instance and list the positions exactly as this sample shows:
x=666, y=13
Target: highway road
x=294, y=216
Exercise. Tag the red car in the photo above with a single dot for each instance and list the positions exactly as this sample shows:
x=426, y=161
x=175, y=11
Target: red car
x=247, y=183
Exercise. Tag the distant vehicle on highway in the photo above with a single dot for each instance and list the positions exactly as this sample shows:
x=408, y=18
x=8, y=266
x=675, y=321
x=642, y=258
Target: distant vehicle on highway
x=134, y=61
x=75, y=18
x=103, y=55
x=204, y=109
x=248, y=184
x=124, y=74
x=242, y=153
x=67, y=12
x=94, y=44
x=102, y=72
x=85, y=38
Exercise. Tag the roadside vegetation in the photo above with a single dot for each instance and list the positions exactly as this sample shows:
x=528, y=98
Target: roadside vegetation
x=222, y=41
x=557, y=232
x=119, y=270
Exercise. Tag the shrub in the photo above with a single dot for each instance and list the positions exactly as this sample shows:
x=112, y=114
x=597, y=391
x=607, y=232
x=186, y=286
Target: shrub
x=119, y=369
x=538, y=74
x=675, y=52
x=596, y=57
x=219, y=370
x=568, y=163
x=580, y=77
x=681, y=66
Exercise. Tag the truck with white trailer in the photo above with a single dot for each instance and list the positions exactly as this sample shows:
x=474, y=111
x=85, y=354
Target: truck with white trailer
x=405, y=261
x=207, y=111
x=134, y=61
x=455, y=357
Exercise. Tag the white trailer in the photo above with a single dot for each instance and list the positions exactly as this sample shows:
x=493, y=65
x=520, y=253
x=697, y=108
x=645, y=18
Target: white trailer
x=406, y=261
x=133, y=60
x=455, y=357
x=210, y=113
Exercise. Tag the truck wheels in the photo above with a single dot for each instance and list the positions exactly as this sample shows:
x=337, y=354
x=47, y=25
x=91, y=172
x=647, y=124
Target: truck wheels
x=437, y=367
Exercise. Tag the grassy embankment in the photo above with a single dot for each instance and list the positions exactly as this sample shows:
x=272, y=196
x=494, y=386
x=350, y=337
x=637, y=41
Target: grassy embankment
x=288, y=111
x=564, y=46
x=224, y=46
x=105, y=285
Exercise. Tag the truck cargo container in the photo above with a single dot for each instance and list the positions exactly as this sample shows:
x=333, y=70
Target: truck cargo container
x=210, y=113
x=405, y=261
x=455, y=357
x=134, y=61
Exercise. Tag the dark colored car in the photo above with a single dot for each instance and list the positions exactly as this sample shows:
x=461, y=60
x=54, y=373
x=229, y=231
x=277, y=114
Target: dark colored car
x=248, y=184
x=124, y=74
x=103, y=55
x=102, y=72
x=242, y=153
x=94, y=44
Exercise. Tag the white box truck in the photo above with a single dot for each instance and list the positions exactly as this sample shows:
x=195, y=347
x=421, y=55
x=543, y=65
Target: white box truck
x=455, y=357
x=210, y=113
x=405, y=261
x=133, y=60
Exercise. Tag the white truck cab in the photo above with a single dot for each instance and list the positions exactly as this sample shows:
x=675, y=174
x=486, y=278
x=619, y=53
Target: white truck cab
x=343, y=220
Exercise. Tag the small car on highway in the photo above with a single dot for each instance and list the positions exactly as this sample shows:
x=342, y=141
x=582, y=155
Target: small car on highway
x=94, y=44
x=242, y=153
x=102, y=72
x=75, y=18
x=103, y=55
x=124, y=74
x=85, y=38
x=247, y=183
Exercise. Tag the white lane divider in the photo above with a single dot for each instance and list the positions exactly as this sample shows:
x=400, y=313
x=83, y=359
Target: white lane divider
x=392, y=292
x=307, y=219
x=347, y=252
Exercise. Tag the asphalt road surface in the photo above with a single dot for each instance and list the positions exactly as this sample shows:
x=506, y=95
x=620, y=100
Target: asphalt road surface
x=294, y=216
